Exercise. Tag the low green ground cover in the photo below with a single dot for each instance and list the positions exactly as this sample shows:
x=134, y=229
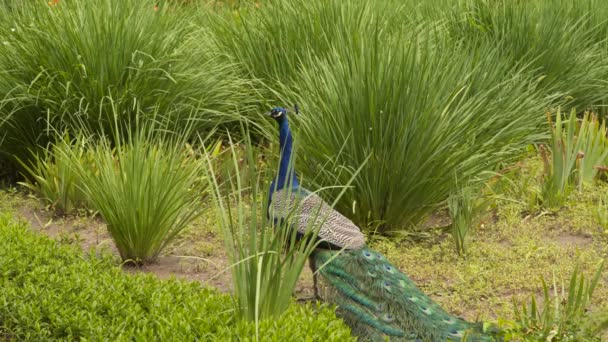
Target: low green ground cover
x=54, y=292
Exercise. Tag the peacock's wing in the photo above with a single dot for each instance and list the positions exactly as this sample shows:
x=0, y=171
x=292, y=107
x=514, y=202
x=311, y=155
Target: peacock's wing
x=309, y=210
x=379, y=301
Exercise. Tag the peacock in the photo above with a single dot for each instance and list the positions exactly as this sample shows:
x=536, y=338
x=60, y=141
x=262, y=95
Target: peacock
x=372, y=296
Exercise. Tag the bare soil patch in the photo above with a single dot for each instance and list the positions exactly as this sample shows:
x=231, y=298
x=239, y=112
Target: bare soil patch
x=577, y=240
x=194, y=256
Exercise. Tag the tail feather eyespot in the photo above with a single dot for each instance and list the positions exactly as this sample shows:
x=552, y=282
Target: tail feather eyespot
x=388, y=318
x=456, y=333
x=449, y=320
x=386, y=285
x=426, y=310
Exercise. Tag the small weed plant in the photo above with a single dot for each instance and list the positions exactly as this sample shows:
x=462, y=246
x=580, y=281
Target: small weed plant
x=466, y=208
x=594, y=148
x=601, y=214
x=563, y=316
x=576, y=154
x=560, y=160
x=53, y=178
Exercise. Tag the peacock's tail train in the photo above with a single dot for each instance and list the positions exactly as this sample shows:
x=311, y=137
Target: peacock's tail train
x=379, y=301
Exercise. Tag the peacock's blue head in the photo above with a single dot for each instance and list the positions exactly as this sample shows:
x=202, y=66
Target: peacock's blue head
x=280, y=113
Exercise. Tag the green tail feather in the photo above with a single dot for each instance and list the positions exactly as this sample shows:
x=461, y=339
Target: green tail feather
x=379, y=301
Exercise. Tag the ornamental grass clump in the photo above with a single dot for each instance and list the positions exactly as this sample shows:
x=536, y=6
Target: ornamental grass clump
x=379, y=81
x=271, y=43
x=563, y=42
x=147, y=188
x=74, y=61
x=267, y=257
x=426, y=111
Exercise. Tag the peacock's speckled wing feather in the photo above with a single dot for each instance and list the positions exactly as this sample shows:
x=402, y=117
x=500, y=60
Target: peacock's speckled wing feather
x=307, y=208
x=379, y=301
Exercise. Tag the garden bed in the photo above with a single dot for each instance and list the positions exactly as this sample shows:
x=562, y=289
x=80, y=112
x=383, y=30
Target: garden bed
x=51, y=291
x=508, y=254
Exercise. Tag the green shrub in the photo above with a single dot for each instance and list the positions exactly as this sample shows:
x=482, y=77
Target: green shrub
x=53, y=292
x=346, y=63
x=462, y=85
x=147, y=189
x=425, y=112
x=88, y=61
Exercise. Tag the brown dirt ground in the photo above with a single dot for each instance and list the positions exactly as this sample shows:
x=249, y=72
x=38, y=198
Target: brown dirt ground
x=196, y=255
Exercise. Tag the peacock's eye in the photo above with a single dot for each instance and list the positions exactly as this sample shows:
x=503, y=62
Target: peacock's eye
x=275, y=113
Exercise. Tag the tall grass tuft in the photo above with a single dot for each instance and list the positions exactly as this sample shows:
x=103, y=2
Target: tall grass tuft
x=52, y=176
x=272, y=43
x=263, y=277
x=75, y=61
x=465, y=207
x=147, y=188
x=267, y=257
x=424, y=111
x=560, y=40
x=563, y=314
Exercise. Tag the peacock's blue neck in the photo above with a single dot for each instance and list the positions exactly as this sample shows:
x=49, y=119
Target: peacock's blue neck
x=286, y=177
